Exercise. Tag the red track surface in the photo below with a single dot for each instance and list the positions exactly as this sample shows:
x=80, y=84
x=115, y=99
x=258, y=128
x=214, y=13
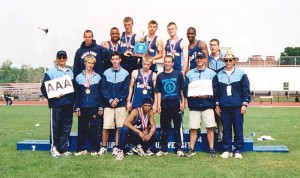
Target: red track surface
x=254, y=104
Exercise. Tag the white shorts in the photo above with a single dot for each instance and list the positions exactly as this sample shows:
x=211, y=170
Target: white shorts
x=114, y=117
x=197, y=117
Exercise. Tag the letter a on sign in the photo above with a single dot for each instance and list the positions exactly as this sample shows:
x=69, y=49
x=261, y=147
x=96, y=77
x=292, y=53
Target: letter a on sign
x=60, y=86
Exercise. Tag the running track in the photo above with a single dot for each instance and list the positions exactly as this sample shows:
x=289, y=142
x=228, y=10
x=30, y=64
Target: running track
x=252, y=104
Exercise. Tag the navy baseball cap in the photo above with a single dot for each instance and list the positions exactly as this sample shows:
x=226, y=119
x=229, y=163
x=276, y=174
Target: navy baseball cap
x=147, y=101
x=200, y=55
x=61, y=53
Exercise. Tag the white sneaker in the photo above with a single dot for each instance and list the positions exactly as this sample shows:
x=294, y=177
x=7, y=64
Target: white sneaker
x=138, y=150
x=149, y=152
x=161, y=153
x=84, y=152
x=54, y=152
x=130, y=152
x=67, y=153
x=226, y=154
x=180, y=154
x=94, y=153
x=238, y=155
x=120, y=155
x=102, y=151
x=115, y=151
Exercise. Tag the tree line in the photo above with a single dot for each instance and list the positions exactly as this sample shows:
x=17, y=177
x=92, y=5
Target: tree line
x=27, y=74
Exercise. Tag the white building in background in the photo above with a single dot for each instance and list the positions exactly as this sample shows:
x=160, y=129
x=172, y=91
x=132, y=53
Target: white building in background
x=272, y=78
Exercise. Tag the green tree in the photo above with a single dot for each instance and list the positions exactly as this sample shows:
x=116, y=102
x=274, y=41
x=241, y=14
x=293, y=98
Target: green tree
x=5, y=71
x=289, y=56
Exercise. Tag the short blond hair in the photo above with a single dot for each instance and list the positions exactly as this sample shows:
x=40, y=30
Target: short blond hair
x=128, y=19
x=90, y=58
x=147, y=58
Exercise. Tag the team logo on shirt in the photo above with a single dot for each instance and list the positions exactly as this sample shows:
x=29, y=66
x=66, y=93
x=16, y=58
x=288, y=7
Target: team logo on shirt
x=170, y=85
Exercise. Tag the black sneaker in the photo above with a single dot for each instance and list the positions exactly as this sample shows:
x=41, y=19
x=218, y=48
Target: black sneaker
x=212, y=153
x=190, y=153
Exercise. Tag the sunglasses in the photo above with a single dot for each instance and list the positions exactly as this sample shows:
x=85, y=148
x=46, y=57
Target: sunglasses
x=228, y=60
x=61, y=58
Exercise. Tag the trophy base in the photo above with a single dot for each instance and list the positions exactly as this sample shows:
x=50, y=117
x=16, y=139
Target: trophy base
x=137, y=55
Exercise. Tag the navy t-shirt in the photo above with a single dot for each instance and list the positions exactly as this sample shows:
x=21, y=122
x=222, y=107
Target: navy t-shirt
x=170, y=85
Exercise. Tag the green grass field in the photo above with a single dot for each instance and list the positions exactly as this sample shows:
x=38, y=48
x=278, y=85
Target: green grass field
x=18, y=123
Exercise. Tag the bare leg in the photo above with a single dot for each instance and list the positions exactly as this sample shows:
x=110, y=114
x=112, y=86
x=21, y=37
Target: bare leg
x=210, y=137
x=193, y=138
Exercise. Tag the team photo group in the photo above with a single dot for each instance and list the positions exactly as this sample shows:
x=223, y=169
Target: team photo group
x=117, y=86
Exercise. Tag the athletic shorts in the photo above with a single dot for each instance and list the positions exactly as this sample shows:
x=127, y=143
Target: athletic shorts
x=114, y=117
x=207, y=117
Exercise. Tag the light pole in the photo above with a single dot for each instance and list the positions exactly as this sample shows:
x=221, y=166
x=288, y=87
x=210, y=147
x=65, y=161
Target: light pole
x=46, y=31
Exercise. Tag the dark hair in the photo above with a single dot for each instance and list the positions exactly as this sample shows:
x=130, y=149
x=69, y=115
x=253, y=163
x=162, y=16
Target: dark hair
x=216, y=40
x=192, y=28
x=153, y=22
x=147, y=101
x=171, y=23
x=115, y=53
x=88, y=31
x=114, y=28
x=169, y=56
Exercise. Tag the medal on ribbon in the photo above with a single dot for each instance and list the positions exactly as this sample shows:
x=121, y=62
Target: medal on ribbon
x=144, y=119
x=112, y=46
x=87, y=91
x=150, y=43
x=88, y=79
x=172, y=49
x=128, y=43
x=145, y=82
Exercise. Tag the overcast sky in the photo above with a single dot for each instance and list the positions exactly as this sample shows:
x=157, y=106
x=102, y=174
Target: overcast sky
x=250, y=27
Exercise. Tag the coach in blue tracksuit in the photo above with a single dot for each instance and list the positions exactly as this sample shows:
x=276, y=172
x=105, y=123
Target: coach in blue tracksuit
x=201, y=105
x=231, y=104
x=61, y=108
x=89, y=108
x=170, y=105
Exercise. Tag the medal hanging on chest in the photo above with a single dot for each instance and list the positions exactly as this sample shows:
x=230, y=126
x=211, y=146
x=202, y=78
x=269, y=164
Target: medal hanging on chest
x=128, y=42
x=145, y=81
x=144, y=119
x=88, y=79
x=172, y=48
x=88, y=91
x=145, y=91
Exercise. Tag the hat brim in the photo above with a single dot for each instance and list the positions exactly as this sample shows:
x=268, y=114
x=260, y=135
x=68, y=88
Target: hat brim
x=235, y=58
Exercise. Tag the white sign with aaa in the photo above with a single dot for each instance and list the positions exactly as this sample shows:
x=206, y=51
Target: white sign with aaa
x=59, y=86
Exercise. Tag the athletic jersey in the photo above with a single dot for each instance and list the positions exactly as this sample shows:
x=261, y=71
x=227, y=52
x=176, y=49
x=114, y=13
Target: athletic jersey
x=127, y=43
x=152, y=50
x=170, y=85
x=138, y=95
x=176, y=51
x=107, y=63
x=138, y=123
x=192, y=54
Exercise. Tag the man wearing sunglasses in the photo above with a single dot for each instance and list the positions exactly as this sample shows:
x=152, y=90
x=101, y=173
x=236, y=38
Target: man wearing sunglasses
x=61, y=107
x=231, y=104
